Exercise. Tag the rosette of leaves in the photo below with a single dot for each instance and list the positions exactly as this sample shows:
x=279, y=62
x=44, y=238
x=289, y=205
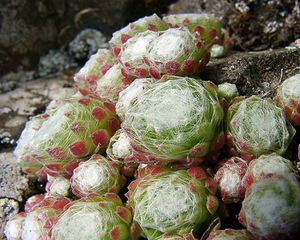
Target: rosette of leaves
x=40, y=219
x=267, y=166
x=75, y=130
x=26, y=159
x=134, y=51
x=172, y=202
x=204, y=26
x=119, y=149
x=176, y=51
x=177, y=118
x=288, y=98
x=112, y=83
x=96, y=175
x=94, y=217
x=153, y=23
x=271, y=208
x=129, y=95
x=256, y=126
x=229, y=178
x=98, y=64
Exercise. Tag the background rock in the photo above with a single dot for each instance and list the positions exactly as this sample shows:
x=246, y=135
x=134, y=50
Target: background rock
x=252, y=24
x=30, y=28
x=254, y=72
x=12, y=182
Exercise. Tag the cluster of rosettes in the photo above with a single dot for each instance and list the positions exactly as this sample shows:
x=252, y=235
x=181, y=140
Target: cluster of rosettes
x=139, y=106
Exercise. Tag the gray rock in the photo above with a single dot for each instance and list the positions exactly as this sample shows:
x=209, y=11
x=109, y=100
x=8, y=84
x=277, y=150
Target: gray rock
x=254, y=72
x=30, y=28
x=55, y=62
x=12, y=182
x=27, y=100
x=8, y=208
x=86, y=43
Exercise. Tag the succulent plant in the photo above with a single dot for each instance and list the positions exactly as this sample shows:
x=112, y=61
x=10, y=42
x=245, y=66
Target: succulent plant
x=74, y=131
x=229, y=177
x=93, y=70
x=134, y=51
x=97, y=175
x=267, y=166
x=63, y=138
x=112, y=83
x=271, y=208
x=230, y=234
x=174, y=202
x=129, y=95
x=177, y=118
x=256, y=126
x=119, y=149
x=227, y=91
x=288, y=98
x=23, y=151
x=153, y=23
x=93, y=218
x=13, y=228
x=58, y=186
x=177, y=52
x=39, y=221
x=206, y=27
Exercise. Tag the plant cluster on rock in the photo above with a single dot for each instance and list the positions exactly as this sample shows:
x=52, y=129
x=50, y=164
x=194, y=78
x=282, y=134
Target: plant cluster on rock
x=187, y=148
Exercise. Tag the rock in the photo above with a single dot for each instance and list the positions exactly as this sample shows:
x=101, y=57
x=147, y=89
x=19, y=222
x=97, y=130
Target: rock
x=28, y=100
x=8, y=208
x=86, y=43
x=258, y=25
x=29, y=28
x=55, y=62
x=185, y=6
x=12, y=182
x=254, y=72
x=10, y=80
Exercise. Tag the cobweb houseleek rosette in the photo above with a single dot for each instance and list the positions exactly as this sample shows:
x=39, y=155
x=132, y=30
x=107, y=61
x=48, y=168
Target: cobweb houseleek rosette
x=176, y=51
x=94, y=217
x=78, y=127
x=119, y=149
x=153, y=23
x=176, y=119
x=271, y=208
x=174, y=202
x=229, y=178
x=287, y=97
x=97, y=175
x=40, y=219
x=134, y=51
x=97, y=65
x=112, y=83
x=28, y=161
x=206, y=27
x=256, y=126
x=266, y=166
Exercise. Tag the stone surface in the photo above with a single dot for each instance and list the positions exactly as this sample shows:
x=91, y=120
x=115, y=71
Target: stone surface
x=252, y=24
x=254, y=72
x=29, y=28
x=17, y=106
x=8, y=208
x=12, y=182
x=258, y=25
